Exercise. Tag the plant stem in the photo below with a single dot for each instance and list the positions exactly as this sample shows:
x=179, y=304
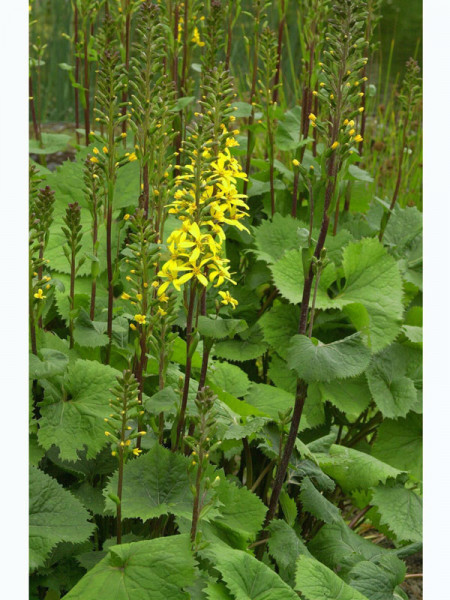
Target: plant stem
x=77, y=74
x=87, y=126
x=187, y=375
x=248, y=463
x=263, y=473
x=37, y=132
x=110, y=275
x=358, y=516
x=72, y=293
x=276, y=80
x=196, y=507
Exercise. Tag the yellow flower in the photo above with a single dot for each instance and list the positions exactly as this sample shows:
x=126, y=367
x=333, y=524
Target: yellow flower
x=132, y=157
x=161, y=312
x=93, y=159
x=196, y=38
x=137, y=451
x=296, y=163
x=361, y=109
x=334, y=145
x=358, y=138
x=351, y=132
x=95, y=150
x=228, y=299
x=125, y=296
x=140, y=319
x=126, y=217
x=40, y=294
x=139, y=297
x=312, y=117
x=105, y=149
x=133, y=326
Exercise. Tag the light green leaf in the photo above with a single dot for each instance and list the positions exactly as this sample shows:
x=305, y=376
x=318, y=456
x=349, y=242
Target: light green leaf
x=353, y=469
x=377, y=580
x=274, y=237
x=239, y=350
x=279, y=325
x=351, y=396
x=51, y=143
x=242, y=510
x=324, y=362
x=249, y=579
x=218, y=328
x=336, y=542
x=166, y=400
x=284, y=544
x=242, y=109
x=154, y=484
x=399, y=443
x=53, y=363
x=316, y=582
x=269, y=400
x=288, y=132
x=89, y=333
x=401, y=510
x=230, y=378
x=315, y=503
x=159, y=569
x=55, y=516
x=73, y=417
x=393, y=392
x=359, y=174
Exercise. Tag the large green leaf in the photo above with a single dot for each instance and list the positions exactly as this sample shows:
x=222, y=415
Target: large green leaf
x=394, y=393
x=279, y=325
x=249, y=579
x=314, y=361
x=218, y=328
x=154, y=484
x=315, y=503
x=274, y=237
x=401, y=510
x=230, y=378
x=355, y=470
x=377, y=580
x=239, y=350
x=55, y=516
x=74, y=409
x=158, y=569
x=269, y=400
x=89, y=333
x=317, y=582
x=351, y=396
x=374, y=283
x=399, y=443
x=242, y=510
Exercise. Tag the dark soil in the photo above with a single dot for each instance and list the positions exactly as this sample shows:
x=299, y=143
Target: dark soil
x=413, y=586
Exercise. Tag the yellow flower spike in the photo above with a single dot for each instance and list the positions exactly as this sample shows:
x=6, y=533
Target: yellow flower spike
x=40, y=294
x=296, y=163
x=334, y=145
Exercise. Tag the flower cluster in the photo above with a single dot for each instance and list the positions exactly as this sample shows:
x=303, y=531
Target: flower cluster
x=204, y=201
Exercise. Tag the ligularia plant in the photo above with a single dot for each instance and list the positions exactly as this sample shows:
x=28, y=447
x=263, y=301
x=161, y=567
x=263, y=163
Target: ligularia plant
x=225, y=305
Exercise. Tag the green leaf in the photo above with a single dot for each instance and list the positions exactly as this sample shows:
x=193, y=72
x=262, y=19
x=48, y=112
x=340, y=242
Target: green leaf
x=401, y=510
x=238, y=350
x=355, y=470
x=230, y=378
x=154, y=484
x=316, y=582
x=377, y=580
x=316, y=504
x=242, y=109
x=159, y=569
x=242, y=510
x=53, y=363
x=284, y=544
x=399, y=443
x=351, y=396
x=55, y=516
x=166, y=400
x=269, y=400
x=274, y=237
x=325, y=362
x=73, y=417
x=359, y=174
x=89, y=333
x=288, y=132
x=336, y=542
x=218, y=328
x=249, y=579
x=373, y=281
x=183, y=102
x=393, y=392
x=51, y=143
x=279, y=325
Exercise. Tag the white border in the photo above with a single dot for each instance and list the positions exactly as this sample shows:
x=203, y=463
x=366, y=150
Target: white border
x=14, y=298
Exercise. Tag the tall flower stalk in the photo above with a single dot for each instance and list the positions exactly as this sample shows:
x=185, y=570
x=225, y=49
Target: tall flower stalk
x=339, y=83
